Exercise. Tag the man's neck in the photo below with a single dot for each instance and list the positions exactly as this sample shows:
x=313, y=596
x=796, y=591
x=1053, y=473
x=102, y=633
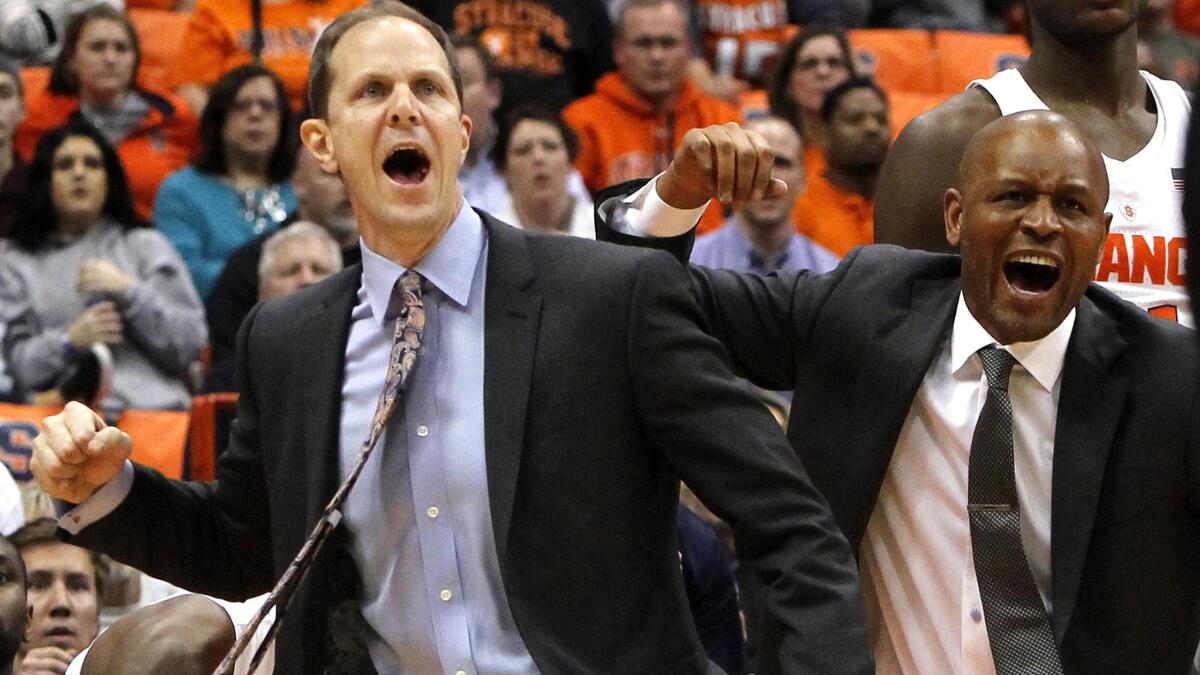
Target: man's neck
x=6, y=158
x=855, y=180
x=1104, y=75
x=767, y=239
x=406, y=245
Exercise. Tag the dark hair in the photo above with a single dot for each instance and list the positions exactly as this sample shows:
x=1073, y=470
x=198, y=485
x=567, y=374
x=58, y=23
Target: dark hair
x=485, y=57
x=538, y=112
x=35, y=219
x=778, y=96
x=835, y=95
x=320, y=72
x=45, y=531
x=9, y=68
x=63, y=80
x=212, y=159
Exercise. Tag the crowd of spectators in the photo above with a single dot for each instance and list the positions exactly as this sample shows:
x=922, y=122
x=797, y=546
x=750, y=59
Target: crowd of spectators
x=140, y=224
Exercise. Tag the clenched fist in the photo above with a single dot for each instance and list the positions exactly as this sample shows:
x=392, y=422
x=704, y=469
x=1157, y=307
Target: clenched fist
x=724, y=162
x=77, y=453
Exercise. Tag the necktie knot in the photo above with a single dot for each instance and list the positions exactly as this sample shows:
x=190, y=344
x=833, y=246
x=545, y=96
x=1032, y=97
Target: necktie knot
x=997, y=365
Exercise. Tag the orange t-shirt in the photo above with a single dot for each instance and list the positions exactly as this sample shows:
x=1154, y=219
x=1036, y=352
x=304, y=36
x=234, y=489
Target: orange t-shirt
x=835, y=219
x=219, y=34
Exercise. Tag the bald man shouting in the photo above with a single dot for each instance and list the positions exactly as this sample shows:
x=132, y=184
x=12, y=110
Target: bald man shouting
x=1011, y=450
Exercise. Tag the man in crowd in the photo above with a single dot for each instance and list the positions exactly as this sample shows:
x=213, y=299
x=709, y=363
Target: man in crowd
x=321, y=199
x=631, y=126
x=1011, y=450
x=14, y=612
x=64, y=584
x=761, y=238
x=1165, y=50
x=837, y=209
x=483, y=186
x=1083, y=65
x=472, y=539
x=295, y=258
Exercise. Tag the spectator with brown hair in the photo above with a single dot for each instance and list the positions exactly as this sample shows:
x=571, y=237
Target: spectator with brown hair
x=95, y=77
x=12, y=167
x=631, y=126
x=240, y=184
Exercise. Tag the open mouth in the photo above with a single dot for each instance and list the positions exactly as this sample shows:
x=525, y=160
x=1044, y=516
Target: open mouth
x=407, y=166
x=1031, y=273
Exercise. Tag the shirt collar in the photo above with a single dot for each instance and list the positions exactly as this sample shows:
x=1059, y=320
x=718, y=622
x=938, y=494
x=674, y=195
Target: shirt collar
x=449, y=267
x=1042, y=358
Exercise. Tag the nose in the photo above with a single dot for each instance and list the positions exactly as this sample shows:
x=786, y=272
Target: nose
x=403, y=107
x=59, y=600
x=1040, y=219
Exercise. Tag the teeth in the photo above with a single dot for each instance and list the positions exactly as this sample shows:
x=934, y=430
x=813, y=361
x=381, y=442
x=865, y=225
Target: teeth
x=1036, y=260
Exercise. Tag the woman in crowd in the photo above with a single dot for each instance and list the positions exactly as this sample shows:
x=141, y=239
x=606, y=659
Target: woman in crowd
x=240, y=184
x=95, y=77
x=535, y=152
x=812, y=64
x=80, y=269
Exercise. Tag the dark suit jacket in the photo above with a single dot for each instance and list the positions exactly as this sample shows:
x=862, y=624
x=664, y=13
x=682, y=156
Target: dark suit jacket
x=600, y=389
x=1125, y=516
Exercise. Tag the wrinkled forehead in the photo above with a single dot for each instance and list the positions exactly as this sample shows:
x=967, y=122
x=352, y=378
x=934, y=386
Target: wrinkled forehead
x=387, y=45
x=1044, y=149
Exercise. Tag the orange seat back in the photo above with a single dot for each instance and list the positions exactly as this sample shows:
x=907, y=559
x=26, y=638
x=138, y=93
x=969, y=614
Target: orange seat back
x=963, y=57
x=158, y=437
x=899, y=60
x=1187, y=16
x=203, y=433
x=754, y=103
x=903, y=106
x=160, y=34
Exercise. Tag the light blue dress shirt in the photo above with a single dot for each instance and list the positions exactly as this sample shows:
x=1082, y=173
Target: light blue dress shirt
x=729, y=248
x=419, y=517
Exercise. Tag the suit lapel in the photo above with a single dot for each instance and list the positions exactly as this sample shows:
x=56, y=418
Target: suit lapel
x=324, y=333
x=1089, y=407
x=512, y=314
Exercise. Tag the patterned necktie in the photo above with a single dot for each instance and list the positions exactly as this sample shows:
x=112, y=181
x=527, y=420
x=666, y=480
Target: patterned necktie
x=1018, y=626
x=410, y=326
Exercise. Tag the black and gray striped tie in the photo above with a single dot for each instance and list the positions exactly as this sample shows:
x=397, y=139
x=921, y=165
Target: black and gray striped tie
x=1018, y=625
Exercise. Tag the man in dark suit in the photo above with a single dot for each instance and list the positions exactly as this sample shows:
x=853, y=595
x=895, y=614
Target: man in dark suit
x=518, y=515
x=1103, y=443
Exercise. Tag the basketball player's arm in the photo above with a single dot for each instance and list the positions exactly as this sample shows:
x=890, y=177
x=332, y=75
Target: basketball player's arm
x=921, y=166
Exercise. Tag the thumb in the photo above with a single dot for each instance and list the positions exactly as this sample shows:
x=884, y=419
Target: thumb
x=776, y=188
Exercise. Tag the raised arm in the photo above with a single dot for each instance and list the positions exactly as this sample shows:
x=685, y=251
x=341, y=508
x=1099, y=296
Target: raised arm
x=921, y=166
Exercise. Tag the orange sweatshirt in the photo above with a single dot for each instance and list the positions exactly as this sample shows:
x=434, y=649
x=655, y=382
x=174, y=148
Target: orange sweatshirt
x=833, y=218
x=163, y=143
x=622, y=137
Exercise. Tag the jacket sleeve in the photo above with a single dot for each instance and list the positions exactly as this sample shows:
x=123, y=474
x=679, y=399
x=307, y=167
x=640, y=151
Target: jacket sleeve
x=212, y=538
x=161, y=310
x=725, y=445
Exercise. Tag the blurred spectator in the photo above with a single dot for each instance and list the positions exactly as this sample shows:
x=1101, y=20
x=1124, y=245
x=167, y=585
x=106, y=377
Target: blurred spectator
x=321, y=199
x=482, y=185
x=762, y=237
x=295, y=258
x=631, y=126
x=240, y=184
x=95, y=76
x=742, y=39
x=82, y=269
x=64, y=586
x=14, y=608
x=1169, y=52
x=968, y=15
x=534, y=151
x=164, y=5
x=711, y=592
x=813, y=63
x=548, y=51
x=12, y=168
x=220, y=35
x=837, y=209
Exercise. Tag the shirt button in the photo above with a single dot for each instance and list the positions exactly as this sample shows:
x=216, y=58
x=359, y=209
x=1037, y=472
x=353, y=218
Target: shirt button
x=445, y=595
x=422, y=431
x=460, y=672
x=432, y=512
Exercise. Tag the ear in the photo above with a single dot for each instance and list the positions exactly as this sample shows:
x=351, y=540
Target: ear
x=1107, y=218
x=953, y=213
x=467, y=125
x=317, y=138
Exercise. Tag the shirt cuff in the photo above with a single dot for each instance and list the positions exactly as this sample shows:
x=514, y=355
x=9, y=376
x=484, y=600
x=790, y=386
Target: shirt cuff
x=647, y=215
x=75, y=517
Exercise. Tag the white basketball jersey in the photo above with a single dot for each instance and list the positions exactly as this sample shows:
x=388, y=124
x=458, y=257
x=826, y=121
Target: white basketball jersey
x=1144, y=258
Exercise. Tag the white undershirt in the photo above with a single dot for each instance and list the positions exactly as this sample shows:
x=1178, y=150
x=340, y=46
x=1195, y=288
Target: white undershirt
x=918, y=576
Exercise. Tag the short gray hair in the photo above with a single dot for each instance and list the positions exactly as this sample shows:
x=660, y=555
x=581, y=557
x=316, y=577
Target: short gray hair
x=299, y=230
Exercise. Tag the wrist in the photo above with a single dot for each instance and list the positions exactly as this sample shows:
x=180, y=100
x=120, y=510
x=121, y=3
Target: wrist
x=673, y=194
